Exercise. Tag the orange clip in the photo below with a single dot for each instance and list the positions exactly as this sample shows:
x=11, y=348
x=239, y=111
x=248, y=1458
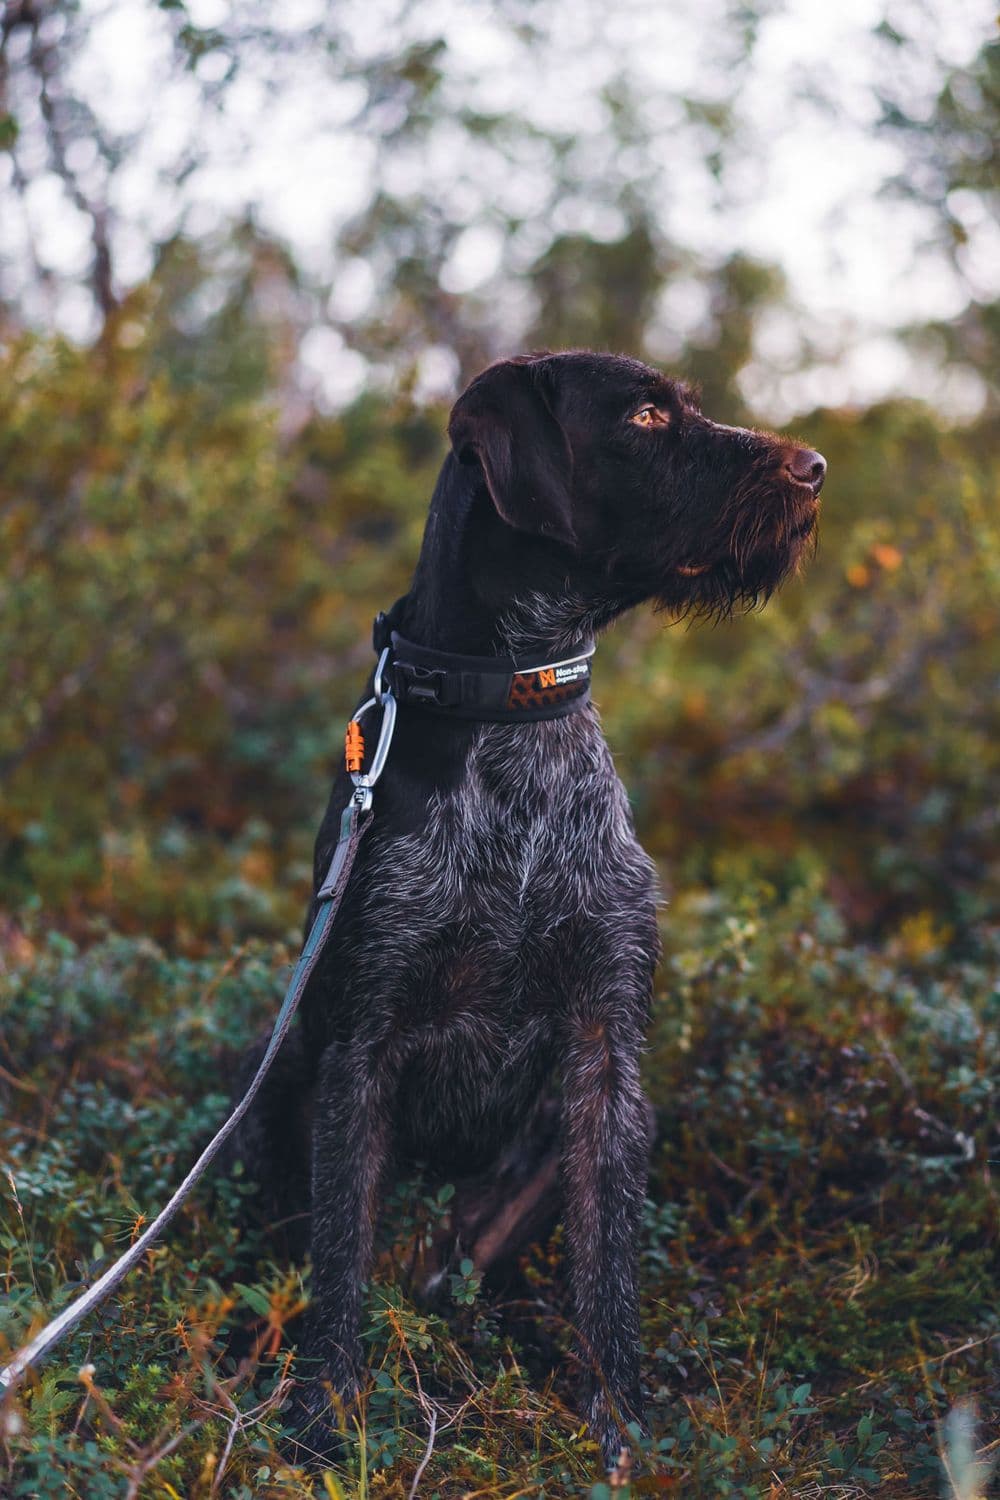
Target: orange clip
x=354, y=746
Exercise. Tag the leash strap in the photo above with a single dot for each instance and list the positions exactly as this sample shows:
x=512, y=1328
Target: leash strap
x=354, y=824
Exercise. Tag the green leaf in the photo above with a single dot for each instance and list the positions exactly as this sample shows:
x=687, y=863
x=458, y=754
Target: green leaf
x=258, y=1301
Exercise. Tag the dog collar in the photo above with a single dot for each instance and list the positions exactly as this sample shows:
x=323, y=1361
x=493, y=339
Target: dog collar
x=500, y=689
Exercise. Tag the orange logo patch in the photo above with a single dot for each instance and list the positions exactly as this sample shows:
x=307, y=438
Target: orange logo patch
x=547, y=685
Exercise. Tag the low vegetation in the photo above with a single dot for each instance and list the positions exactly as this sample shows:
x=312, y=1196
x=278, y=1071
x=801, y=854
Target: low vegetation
x=819, y=1250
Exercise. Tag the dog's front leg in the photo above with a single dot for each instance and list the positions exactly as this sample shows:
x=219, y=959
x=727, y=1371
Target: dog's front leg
x=605, y=1149
x=351, y=1142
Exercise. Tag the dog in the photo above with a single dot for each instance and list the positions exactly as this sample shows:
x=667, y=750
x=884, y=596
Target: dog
x=498, y=935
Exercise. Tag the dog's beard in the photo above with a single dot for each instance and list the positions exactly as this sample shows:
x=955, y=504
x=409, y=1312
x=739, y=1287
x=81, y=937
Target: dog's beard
x=766, y=533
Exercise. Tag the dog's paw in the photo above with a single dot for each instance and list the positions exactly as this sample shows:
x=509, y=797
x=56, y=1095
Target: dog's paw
x=620, y=1451
x=316, y=1427
x=623, y=1469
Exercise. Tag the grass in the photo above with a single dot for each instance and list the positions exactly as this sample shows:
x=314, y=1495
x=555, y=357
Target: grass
x=819, y=1249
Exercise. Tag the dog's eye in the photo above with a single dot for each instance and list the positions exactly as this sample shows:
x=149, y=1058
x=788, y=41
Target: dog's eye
x=650, y=416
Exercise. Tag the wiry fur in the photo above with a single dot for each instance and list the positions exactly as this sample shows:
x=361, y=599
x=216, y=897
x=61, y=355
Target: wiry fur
x=498, y=934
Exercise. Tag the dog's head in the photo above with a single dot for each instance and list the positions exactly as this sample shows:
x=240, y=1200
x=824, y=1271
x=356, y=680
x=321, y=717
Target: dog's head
x=613, y=464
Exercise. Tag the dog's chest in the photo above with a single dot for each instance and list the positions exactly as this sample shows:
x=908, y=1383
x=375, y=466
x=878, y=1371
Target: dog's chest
x=533, y=840
x=482, y=917
x=534, y=834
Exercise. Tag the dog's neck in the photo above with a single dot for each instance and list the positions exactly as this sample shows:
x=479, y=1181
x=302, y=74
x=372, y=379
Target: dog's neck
x=518, y=600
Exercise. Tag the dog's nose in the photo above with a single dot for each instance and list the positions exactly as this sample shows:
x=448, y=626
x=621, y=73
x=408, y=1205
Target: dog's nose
x=808, y=467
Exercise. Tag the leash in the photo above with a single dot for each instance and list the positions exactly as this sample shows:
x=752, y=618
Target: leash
x=506, y=689
x=354, y=823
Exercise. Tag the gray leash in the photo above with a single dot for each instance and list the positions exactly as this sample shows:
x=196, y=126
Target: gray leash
x=354, y=824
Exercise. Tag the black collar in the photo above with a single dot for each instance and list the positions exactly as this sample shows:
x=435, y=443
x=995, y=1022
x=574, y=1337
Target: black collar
x=503, y=689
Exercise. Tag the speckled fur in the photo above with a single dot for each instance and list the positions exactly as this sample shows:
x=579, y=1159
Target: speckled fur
x=506, y=942
x=498, y=936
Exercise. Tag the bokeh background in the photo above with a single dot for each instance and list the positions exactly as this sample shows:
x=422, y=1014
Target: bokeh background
x=246, y=259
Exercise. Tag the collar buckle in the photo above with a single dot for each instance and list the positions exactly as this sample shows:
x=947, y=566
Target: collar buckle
x=425, y=684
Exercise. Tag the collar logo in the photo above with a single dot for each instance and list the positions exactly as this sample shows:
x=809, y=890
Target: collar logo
x=553, y=684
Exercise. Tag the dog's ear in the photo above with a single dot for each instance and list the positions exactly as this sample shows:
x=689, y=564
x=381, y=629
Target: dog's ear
x=505, y=420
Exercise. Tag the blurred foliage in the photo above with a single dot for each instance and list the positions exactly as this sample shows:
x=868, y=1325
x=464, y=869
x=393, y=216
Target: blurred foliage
x=185, y=619
x=952, y=167
x=192, y=554
x=441, y=163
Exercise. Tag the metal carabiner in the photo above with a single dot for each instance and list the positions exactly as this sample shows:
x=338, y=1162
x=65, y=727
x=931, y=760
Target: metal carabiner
x=364, y=781
x=380, y=685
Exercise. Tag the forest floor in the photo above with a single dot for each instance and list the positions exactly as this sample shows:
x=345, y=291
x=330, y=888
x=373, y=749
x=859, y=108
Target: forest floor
x=819, y=1251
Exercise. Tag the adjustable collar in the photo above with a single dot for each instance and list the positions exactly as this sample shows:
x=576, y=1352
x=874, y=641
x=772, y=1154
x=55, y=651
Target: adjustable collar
x=500, y=689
